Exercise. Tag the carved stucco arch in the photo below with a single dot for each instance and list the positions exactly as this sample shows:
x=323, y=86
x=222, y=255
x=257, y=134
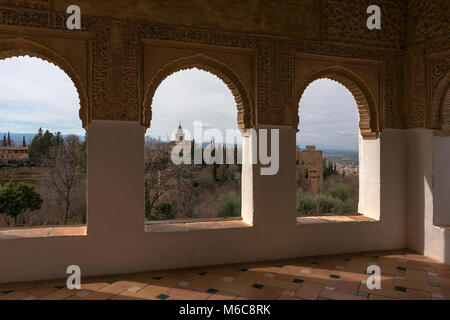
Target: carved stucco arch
x=17, y=47
x=441, y=102
x=241, y=96
x=369, y=123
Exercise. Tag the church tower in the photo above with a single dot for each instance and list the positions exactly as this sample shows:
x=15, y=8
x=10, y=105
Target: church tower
x=179, y=136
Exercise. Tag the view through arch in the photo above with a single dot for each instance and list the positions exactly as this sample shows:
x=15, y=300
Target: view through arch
x=327, y=157
x=194, y=111
x=42, y=147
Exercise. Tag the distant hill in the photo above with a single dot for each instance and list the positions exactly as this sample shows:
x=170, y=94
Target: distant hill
x=330, y=149
x=18, y=137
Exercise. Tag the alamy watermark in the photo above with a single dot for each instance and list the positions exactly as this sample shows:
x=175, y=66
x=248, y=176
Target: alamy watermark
x=374, y=281
x=254, y=149
x=74, y=279
x=374, y=20
x=74, y=20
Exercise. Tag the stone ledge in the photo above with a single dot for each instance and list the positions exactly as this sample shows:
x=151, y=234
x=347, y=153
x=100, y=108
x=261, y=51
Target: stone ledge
x=42, y=232
x=333, y=219
x=186, y=225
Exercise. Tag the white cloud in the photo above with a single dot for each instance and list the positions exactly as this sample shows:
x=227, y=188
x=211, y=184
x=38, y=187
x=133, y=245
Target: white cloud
x=35, y=93
x=328, y=116
x=189, y=96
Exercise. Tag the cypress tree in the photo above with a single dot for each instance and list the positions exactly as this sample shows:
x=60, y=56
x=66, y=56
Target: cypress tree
x=24, y=144
x=9, y=140
x=224, y=155
x=192, y=151
x=236, y=158
x=4, y=141
x=213, y=154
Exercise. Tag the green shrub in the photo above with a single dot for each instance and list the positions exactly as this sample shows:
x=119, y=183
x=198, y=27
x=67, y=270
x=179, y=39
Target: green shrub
x=340, y=191
x=347, y=207
x=18, y=198
x=74, y=221
x=164, y=211
x=229, y=205
x=329, y=204
x=305, y=204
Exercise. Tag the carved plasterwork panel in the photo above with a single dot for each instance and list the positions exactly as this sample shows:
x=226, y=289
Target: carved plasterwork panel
x=45, y=25
x=345, y=21
x=115, y=87
x=32, y=4
x=439, y=85
x=52, y=48
x=427, y=20
x=235, y=67
x=362, y=78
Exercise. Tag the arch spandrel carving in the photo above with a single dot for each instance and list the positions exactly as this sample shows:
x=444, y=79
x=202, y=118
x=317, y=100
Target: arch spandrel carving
x=200, y=61
x=13, y=47
x=369, y=114
x=441, y=102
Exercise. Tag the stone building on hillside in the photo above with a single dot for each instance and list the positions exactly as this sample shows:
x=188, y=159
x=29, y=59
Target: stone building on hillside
x=309, y=169
x=13, y=153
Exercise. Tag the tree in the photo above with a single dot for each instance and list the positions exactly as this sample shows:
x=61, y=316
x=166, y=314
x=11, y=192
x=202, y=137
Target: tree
x=5, y=144
x=193, y=151
x=17, y=198
x=229, y=205
x=41, y=144
x=340, y=191
x=164, y=211
x=9, y=140
x=306, y=204
x=160, y=172
x=329, y=171
x=24, y=144
x=236, y=157
x=64, y=165
x=213, y=154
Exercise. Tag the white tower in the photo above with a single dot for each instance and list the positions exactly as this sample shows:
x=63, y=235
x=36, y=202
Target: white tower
x=179, y=136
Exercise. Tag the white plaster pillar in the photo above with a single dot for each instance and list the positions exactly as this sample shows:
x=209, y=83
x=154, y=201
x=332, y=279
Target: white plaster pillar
x=115, y=157
x=441, y=179
x=274, y=195
x=369, y=177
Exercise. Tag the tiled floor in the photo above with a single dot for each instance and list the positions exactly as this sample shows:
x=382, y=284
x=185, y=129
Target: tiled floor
x=405, y=275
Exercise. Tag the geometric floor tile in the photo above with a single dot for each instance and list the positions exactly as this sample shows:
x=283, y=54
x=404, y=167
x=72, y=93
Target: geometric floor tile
x=404, y=275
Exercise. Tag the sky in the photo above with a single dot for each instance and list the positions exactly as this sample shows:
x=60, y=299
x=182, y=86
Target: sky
x=35, y=93
x=328, y=116
x=189, y=96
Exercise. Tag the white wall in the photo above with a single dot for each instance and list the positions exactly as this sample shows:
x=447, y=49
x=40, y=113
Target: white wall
x=441, y=170
x=369, y=177
x=425, y=165
x=116, y=241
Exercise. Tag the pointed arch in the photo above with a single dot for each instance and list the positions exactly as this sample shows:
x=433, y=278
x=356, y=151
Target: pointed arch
x=208, y=64
x=16, y=47
x=369, y=116
x=441, y=103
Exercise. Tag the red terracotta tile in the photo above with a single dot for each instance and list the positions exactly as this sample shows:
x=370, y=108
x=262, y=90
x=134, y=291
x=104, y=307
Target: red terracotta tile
x=309, y=290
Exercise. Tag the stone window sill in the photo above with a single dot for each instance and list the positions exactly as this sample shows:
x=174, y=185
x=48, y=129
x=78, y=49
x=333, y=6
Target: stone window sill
x=42, y=232
x=194, y=225
x=332, y=219
x=444, y=227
